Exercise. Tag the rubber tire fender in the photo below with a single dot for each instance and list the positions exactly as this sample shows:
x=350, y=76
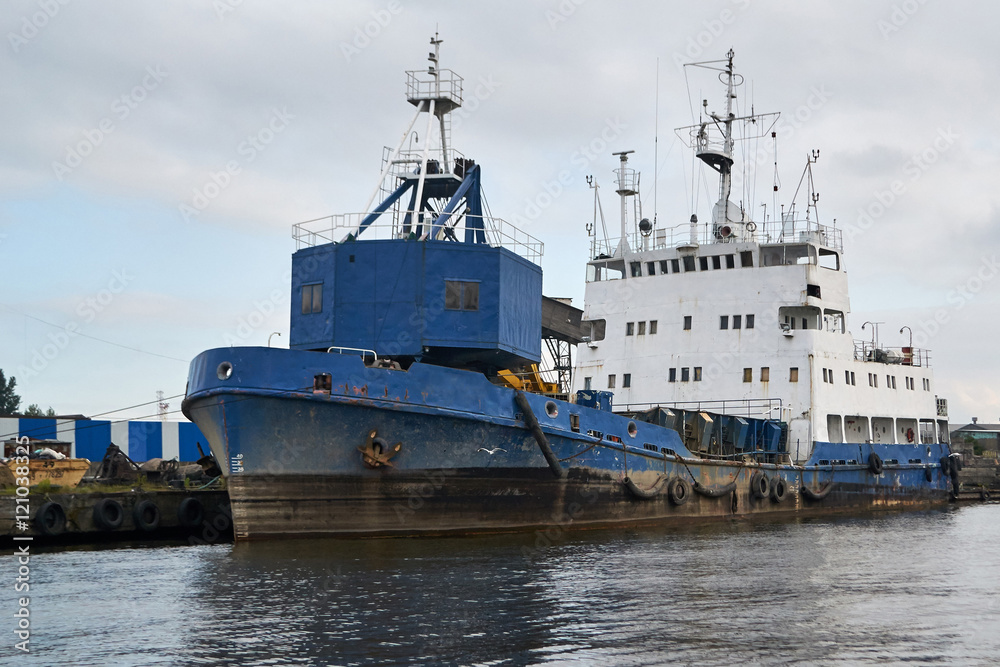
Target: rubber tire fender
x=779, y=489
x=928, y=474
x=146, y=515
x=50, y=519
x=875, y=464
x=760, y=487
x=108, y=514
x=679, y=491
x=190, y=513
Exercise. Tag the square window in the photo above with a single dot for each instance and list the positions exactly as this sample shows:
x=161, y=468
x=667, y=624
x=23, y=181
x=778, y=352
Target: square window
x=716, y=262
x=793, y=374
x=652, y=327
x=765, y=374
x=703, y=263
x=642, y=328
x=627, y=380
x=663, y=266
x=461, y=295
x=312, y=298
x=697, y=373
x=750, y=321
x=748, y=375
x=675, y=266
x=685, y=374
x=737, y=321
x=730, y=261
x=650, y=268
x=687, y=323
x=672, y=375
x=723, y=321
x=611, y=382
x=629, y=328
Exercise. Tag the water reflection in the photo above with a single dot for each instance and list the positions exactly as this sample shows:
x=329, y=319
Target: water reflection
x=920, y=587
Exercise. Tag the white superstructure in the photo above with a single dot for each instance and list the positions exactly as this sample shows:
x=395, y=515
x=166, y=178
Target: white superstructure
x=745, y=312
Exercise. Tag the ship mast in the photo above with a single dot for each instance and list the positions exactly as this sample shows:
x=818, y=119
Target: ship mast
x=713, y=141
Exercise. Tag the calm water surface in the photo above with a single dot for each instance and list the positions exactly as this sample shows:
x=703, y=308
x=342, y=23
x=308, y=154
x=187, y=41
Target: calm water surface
x=916, y=588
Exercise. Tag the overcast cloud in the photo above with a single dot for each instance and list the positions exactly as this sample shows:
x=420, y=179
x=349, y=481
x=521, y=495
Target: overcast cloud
x=118, y=116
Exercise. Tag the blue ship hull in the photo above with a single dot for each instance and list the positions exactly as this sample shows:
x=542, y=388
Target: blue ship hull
x=306, y=461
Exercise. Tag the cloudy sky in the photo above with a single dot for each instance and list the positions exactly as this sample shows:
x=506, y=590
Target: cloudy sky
x=128, y=248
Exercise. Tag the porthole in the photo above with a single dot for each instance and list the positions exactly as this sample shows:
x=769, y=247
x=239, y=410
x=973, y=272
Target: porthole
x=632, y=429
x=551, y=409
x=224, y=371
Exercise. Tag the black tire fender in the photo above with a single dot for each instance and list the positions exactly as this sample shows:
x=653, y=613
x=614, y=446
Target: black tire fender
x=190, y=513
x=50, y=519
x=108, y=514
x=779, y=489
x=875, y=464
x=146, y=515
x=760, y=487
x=678, y=490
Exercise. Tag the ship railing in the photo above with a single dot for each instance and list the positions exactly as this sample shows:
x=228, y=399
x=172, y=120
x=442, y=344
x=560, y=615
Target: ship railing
x=866, y=350
x=342, y=227
x=444, y=84
x=753, y=408
x=770, y=232
x=354, y=350
x=406, y=164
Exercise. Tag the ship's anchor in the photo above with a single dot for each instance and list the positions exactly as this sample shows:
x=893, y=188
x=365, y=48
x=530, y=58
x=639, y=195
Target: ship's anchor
x=376, y=452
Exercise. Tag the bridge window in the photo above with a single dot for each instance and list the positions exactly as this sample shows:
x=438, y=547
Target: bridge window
x=746, y=258
x=716, y=262
x=312, y=298
x=675, y=266
x=663, y=267
x=461, y=295
x=689, y=262
x=703, y=263
x=651, y=268
x=636, y=268
x=730, y=261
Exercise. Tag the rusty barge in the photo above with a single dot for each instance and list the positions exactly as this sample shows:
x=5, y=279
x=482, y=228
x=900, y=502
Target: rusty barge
x=412, y=402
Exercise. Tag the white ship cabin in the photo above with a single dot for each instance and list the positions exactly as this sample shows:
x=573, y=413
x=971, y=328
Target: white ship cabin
x=743, y=318
x=733, y=318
